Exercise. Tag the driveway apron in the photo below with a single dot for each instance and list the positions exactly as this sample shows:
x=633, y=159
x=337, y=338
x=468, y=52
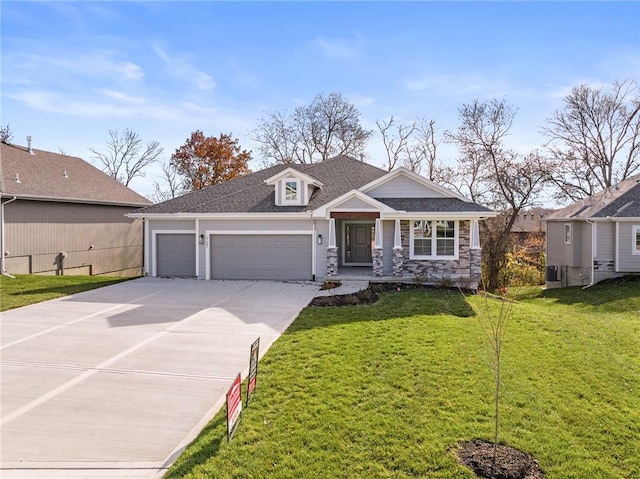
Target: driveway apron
x=115, y=382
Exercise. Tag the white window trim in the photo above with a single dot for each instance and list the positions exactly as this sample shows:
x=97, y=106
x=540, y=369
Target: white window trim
x=567, y=227
x=635, y=231
x=456, y=242
x=298, y=200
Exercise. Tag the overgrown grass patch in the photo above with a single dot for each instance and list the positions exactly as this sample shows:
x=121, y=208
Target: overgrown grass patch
x=30, y=289
x=387, y=390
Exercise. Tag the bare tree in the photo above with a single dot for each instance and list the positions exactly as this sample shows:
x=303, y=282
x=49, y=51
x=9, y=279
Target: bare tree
x=396, y=139
x=491, y=174
x=329, y=126
x=5, y=134
x=595, y=139
x=171, y=187
x=413, y=145
x=126, y=157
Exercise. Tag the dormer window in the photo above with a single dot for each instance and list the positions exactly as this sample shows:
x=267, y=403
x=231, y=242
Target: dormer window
x=291, y=191
x=293, y=188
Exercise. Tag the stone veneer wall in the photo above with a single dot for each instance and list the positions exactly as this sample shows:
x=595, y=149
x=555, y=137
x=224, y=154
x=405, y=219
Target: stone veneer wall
x=332, y=262
x=378, y=262
x=436, y=269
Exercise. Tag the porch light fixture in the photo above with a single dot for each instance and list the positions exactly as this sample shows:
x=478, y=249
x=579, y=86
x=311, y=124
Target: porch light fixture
x=319, y=239
x=201, y=239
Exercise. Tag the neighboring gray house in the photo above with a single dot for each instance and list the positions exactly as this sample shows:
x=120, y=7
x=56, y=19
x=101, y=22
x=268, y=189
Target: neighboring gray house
x=61, y=215
x=595, y=238
x=337, y=218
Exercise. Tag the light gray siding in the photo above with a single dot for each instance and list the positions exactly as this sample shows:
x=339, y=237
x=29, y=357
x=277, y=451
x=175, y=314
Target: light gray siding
x=274, y=257
x=256, y=225
x=96, y=239
x=403, y=187
x=628, y=262
x=322, y=228
x=561, y=253
x=176, y=255
x=605, y=244
x=165, y=225
x=355, y=204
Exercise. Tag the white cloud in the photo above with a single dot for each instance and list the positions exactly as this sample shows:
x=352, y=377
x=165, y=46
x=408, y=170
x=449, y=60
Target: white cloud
x=181, y=67
x=100, y=63
x=340, y=48
x=362, y=101
x=449, y=83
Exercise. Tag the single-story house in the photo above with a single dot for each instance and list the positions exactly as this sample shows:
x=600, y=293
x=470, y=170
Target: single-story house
x=595, y=238
x=61, y=215
x=315, y=222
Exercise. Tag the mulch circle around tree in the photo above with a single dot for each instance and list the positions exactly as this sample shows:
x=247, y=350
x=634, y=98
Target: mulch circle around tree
x=510, y=463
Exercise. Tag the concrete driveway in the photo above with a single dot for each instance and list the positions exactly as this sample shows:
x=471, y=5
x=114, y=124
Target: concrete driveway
x=114, y=382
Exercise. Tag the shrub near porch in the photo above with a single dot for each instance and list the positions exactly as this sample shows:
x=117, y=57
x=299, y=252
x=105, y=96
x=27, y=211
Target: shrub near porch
x=388, y=389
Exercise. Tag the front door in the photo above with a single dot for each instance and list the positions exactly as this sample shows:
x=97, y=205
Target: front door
x=358, y=238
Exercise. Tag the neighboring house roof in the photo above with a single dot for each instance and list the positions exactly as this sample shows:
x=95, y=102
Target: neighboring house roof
x=338, y=178
x=531, y=220
x=619, y=201
x=49, y=176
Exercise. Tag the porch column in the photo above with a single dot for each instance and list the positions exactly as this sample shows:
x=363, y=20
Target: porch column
x=332, y=250
x=475, y=253
x=398, y=252
x=377, y=256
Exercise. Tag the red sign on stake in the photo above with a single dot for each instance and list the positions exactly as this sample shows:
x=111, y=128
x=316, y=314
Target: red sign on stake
x=234, y=406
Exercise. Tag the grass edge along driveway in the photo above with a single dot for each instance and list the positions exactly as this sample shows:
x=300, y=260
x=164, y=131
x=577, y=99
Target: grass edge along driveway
x=389, y=389
x=24, y=290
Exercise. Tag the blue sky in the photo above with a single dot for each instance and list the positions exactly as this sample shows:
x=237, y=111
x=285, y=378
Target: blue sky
x=73, y=70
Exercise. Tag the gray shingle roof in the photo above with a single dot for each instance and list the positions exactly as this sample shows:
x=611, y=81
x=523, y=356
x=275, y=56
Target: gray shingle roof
x=621, y=201
x=52, y=176
x=439, y=205
x=250, y=194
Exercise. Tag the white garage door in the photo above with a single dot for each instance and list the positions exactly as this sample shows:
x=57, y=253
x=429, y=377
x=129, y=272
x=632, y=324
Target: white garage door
x=176, y=255
x=277, y=257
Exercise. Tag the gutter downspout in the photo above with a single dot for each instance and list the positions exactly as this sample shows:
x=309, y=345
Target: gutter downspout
x=593, y=241
x=3, y=270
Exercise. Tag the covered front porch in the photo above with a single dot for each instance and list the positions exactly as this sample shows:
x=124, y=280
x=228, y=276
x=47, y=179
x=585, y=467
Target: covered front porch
x=356, y=246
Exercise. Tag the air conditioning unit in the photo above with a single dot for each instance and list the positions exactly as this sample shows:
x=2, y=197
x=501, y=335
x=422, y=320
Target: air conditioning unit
x=552, y=273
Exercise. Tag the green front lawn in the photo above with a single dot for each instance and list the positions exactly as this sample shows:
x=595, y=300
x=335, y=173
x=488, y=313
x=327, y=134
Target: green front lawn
x=388, y=390
x=29, y=289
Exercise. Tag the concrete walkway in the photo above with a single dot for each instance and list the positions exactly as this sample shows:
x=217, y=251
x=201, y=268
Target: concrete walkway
x=115, y=382
x=346, y=287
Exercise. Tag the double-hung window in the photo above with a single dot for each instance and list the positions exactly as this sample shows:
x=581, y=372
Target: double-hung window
x=635, y=240
x=431, y=239
x=567, y=233
x=291, y=193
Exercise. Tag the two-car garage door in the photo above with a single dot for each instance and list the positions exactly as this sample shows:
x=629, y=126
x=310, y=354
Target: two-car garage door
x=276, y=257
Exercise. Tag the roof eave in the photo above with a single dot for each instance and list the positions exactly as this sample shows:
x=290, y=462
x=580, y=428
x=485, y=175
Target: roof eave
x=57, y=199
x=225, y=216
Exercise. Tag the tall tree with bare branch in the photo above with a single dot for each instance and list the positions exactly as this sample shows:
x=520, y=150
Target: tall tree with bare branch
x=329, y=126
x=126, y=156
x=413, y=145
x=595, y=139
x=494, y=175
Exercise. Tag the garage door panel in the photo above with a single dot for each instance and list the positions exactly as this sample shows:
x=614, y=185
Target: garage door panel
x=280, y=257
x=176, y=255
